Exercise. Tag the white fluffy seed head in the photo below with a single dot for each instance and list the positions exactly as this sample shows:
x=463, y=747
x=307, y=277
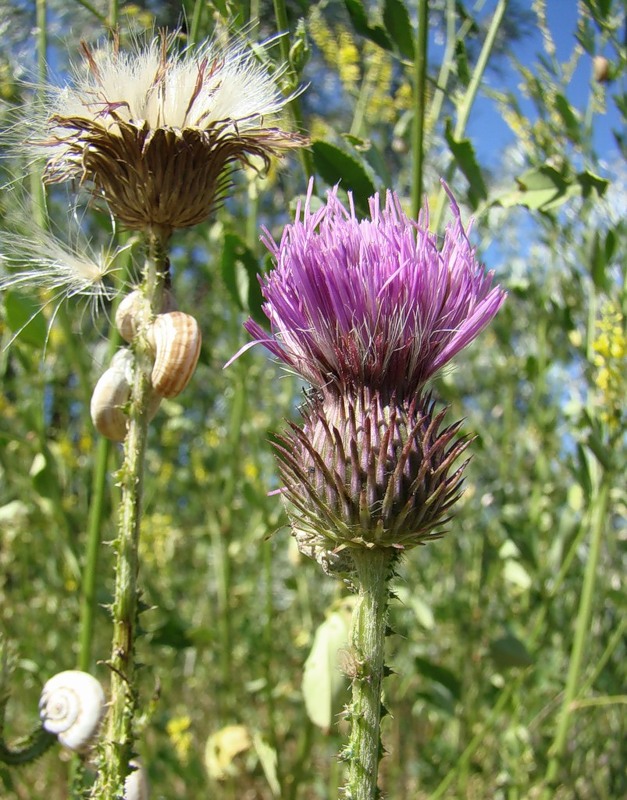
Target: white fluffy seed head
x=192, y=89
x=40, y=261
x=71, y=706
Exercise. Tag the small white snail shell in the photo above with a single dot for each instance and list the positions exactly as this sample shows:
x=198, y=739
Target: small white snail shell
x=176, y=339
x=136, y=783
x=71, y=706
x=111, y=393
x=130, y=308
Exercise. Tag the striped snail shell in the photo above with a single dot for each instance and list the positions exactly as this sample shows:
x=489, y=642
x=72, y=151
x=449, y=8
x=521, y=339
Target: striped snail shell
x=132, y=306
x=71, y=706
x=176, y=339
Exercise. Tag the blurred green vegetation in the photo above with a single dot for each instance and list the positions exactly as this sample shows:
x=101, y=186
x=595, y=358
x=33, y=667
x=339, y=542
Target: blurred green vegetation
x=486, y=619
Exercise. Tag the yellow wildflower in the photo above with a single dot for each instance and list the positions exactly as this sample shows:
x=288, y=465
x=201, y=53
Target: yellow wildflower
x=610, y=360
x=178, y=730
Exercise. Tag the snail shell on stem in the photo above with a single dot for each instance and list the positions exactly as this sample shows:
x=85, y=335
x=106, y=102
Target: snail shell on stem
x=176, y=339
x=110, y=396
x=132, y=306
x=71, y=706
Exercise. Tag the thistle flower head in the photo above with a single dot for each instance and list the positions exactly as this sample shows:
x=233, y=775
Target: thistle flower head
x=367, y=312
x=152, y=131
x=373, y=303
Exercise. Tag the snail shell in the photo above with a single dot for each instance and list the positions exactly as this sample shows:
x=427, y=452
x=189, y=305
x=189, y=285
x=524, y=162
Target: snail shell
x=130, y=309
x=110, y=396
x=71, y=706
x=111, y=393
x=136, y=783
x=176, y=339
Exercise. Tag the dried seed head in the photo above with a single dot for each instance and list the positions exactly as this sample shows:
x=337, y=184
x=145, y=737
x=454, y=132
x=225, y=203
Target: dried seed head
x=365, y=472
x=151, y=132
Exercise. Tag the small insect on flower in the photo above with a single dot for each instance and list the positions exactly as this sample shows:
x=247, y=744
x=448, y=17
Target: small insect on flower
x=152, y=131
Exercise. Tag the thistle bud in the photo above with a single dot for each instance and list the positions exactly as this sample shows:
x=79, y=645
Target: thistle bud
x=365, y=472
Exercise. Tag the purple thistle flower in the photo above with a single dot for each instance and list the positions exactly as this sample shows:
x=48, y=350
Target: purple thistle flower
x=375, y=302
x=367, y=311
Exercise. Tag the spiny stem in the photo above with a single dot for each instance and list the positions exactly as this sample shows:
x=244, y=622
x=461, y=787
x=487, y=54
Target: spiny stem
x=117, y=747
x=367, y=639
x=27, y=749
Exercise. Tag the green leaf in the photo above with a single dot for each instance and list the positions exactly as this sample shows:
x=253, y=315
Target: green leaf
x=591, y=184
x=461, y=63
x=398, y=25
x=544, y=188
x=322, y=678
x=24, y=318
x=173, y=633
x=440, y=675
x=239, y=272
x=610, y=245
x=509, y=651
x=361, y=24
x=337, y=166
x=464, y=156
x=568, y=117
x=537, y=188
x=43, y=475
x=598, y=262
x=581, y=469
x=585, y=35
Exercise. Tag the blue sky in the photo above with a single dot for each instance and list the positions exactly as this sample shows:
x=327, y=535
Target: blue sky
x=488, y=131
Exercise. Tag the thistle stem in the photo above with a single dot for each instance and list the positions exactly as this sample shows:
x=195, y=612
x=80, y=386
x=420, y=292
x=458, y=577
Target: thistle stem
x=367, y=639
x=117, y=747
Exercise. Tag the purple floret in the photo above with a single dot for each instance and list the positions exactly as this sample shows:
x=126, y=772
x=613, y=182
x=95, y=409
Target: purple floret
x=375, y=302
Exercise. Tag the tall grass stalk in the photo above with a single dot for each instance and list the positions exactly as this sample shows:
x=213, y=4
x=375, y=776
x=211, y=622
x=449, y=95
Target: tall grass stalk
x=465, y=107
x=582, y=631
x=420, y=93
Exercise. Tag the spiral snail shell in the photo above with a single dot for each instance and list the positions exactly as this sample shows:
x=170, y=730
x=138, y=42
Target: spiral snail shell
x=130, y=308
x=176, y=339
x=110, y=396
x=71, y=706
